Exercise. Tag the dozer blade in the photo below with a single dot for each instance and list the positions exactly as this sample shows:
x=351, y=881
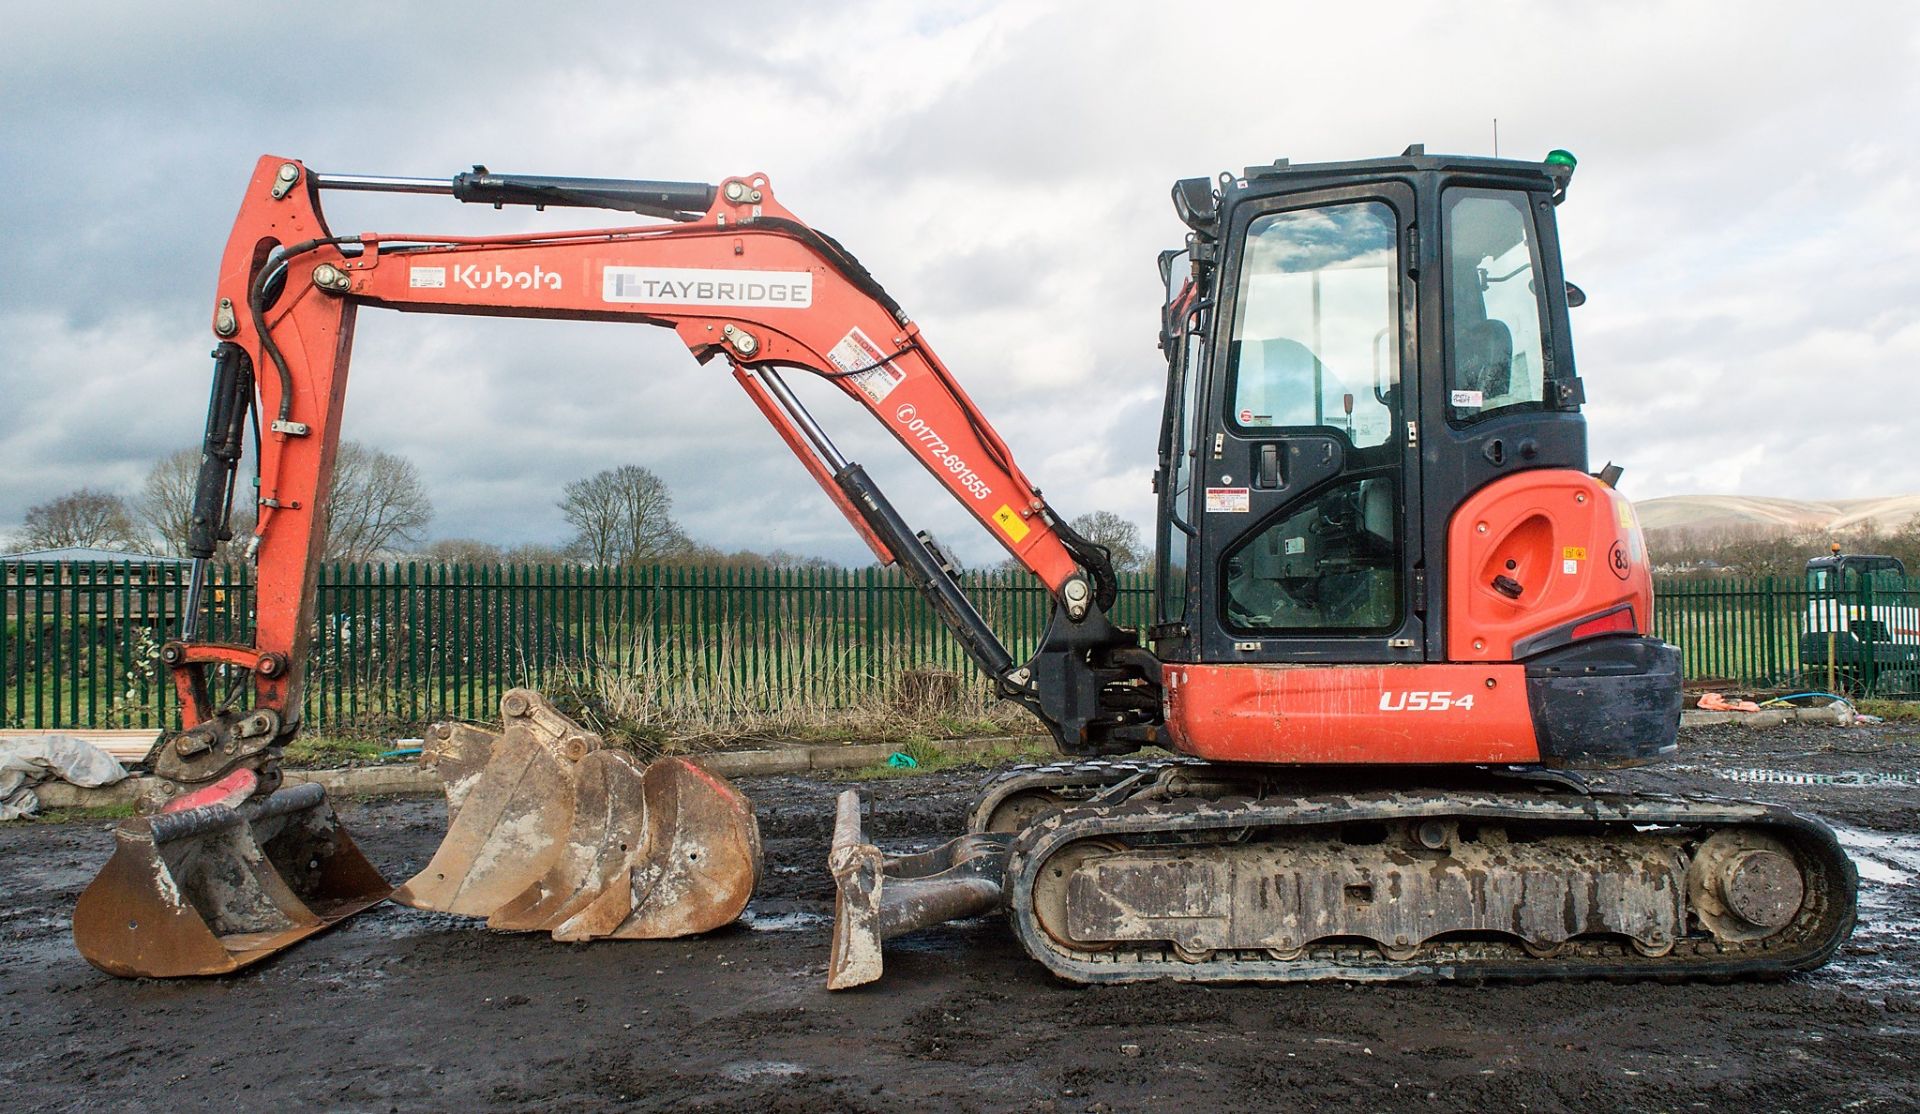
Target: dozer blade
x=879, y=896
x=549, y=831
x=204, y=891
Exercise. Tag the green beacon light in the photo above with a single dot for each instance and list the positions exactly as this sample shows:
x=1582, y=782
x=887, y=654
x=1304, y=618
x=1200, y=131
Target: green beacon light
x=1561, y=157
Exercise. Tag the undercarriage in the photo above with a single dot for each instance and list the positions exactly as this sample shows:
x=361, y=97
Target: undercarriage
x=1201, y=872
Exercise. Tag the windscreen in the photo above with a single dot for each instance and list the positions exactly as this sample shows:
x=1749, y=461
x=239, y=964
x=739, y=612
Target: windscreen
x=1315, y=337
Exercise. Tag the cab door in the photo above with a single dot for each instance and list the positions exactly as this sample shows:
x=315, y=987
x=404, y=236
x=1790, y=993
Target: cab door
x=1308, y=505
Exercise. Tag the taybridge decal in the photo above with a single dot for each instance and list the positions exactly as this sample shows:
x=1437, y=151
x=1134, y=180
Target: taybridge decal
x=695, y=286
x=474, y=276
x=935, y=447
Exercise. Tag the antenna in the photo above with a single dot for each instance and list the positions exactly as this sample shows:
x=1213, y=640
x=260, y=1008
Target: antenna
x=1496, y=137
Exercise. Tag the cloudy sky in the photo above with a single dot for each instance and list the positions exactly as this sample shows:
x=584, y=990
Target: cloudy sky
x=1743, y=220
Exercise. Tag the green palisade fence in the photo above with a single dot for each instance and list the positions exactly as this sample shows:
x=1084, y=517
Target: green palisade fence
x=411, y=643
x=1775, y=632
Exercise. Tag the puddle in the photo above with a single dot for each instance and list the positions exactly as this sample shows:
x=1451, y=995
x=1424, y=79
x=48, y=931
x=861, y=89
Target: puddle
x=742, y=1070
x=1884, y=858
x=1877, y=955
x=795, y=921
x=40, y=939
x=1861, y=779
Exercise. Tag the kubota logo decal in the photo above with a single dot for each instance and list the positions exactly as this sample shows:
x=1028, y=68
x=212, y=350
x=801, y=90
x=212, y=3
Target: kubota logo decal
x=1429, y=701
x=474, y=277
x=936, y=448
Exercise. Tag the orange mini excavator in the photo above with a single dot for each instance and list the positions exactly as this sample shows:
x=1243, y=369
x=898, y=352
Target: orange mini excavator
x=1394, y=614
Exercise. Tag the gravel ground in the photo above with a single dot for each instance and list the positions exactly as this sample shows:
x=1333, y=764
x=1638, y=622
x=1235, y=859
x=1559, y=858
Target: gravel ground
x=409, y=1010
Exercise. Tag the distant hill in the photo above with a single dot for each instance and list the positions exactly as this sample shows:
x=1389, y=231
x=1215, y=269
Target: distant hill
x=1758, y=514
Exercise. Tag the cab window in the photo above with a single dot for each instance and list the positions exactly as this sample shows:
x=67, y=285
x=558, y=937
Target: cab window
x=1316, y=338
x=1495, y=344
x=1316, y=348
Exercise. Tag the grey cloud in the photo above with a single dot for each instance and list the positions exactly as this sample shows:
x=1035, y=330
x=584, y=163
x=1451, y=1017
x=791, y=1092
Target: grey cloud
x=1742, y=217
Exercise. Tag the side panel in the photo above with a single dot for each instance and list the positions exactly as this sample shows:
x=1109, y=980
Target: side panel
x=1533, y=553
x=1359, y=714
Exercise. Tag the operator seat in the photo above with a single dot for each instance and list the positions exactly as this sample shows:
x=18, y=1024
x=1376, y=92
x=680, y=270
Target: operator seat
x=1486, y=361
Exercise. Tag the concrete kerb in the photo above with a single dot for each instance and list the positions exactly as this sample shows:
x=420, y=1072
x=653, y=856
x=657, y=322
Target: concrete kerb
x=1837, y=714
x=400, y=779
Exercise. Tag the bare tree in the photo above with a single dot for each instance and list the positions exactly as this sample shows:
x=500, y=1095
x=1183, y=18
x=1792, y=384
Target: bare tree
x=536, y=553
x=463, y=551
x=622, y=516
x=165, y=503
x=1121, y=537
x=84, y=518
x=700, y=555
x=376, y=504
x=1780, y=551
x=165, y=506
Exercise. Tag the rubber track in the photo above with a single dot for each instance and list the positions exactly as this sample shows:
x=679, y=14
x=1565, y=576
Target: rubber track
x=1075, y=781
x=1826, y=918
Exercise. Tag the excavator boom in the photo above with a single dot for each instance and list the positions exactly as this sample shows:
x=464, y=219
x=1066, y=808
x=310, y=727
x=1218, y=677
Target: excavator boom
x=549, y=829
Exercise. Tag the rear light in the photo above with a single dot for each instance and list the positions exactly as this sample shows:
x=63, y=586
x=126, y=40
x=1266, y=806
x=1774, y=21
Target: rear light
x=1620, y=619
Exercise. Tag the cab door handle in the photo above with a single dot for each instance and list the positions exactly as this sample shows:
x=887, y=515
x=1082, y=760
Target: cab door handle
x=1268, y=473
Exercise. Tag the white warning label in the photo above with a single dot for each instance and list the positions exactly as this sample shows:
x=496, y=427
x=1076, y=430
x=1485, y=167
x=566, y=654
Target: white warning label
x=1228, y=500
x=1467, y=399
x=857, y=353
x=427, y=278
x=695, y=286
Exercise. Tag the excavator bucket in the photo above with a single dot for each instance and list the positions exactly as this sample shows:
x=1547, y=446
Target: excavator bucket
x=204, y=891
x=550, y=831
x=509, y=805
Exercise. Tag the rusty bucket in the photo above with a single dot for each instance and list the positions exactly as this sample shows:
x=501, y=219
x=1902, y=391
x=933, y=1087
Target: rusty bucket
x=204, y=891
x=551, y=831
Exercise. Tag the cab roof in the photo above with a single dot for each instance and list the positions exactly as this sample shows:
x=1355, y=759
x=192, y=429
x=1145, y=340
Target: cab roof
x=1414, y=160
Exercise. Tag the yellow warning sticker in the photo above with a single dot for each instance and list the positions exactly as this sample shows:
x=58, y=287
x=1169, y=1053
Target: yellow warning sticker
x=1573, y=553
x=1011, y=522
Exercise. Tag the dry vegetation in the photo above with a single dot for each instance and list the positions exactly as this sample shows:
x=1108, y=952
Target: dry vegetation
x=1759, y=551
x=638, y=698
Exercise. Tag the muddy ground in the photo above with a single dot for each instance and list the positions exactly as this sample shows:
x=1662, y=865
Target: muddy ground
x=410, y=1010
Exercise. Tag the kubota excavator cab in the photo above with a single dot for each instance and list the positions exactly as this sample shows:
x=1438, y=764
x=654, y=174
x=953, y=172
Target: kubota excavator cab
x=1373, y=455
x=1388, y=596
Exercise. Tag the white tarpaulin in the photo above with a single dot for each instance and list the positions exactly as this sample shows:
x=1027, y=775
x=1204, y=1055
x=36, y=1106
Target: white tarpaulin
x=26, y=762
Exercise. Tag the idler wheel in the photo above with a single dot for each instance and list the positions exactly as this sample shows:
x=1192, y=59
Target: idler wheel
x=1762, y=888
x=1745, y=885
